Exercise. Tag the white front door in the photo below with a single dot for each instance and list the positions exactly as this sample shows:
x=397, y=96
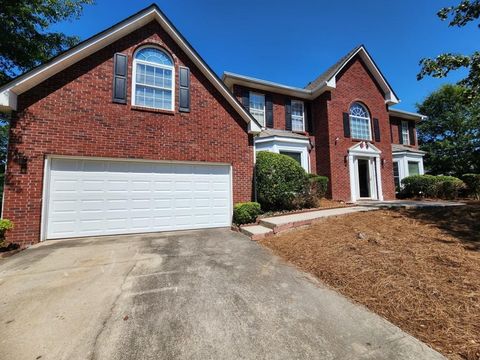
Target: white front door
x=87, y=197
x=365, y=178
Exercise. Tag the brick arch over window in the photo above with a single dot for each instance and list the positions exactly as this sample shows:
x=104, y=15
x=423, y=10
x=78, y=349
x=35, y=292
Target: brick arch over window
x=360, y=121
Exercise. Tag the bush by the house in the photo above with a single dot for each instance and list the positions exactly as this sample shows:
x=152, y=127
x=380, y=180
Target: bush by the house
x=246, y=213
x=472, y=182
x=430, y=186
x=318, y=185
x=5, y=225
x=279, y=181
x=448, y=187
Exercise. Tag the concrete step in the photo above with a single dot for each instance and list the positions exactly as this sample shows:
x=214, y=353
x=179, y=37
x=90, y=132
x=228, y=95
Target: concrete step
x=256, y=232
x=276, y=224
x=284, y=222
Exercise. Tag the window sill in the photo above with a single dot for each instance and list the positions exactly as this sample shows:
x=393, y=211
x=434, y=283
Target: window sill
x=147, y=109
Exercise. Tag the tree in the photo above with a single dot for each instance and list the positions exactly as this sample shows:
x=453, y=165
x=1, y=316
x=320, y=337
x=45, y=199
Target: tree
x=25, y=41
x=460, y=15
x=451, y=136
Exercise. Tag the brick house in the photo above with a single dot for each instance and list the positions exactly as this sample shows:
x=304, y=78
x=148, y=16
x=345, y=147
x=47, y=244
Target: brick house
x=130, y=131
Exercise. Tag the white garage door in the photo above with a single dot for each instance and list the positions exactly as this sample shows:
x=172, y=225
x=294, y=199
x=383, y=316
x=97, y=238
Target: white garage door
x=100, y=197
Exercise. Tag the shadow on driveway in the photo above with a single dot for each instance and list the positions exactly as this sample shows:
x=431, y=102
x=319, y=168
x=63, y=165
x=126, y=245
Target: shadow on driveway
x=209, y=294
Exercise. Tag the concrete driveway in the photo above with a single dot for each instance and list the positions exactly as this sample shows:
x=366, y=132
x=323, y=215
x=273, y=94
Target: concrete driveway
x=210, y=294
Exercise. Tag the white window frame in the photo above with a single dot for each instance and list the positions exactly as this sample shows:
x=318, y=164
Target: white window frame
x=257, y=110
x=303, y=114
x=350, y=116
x=412, y=161
x=405, y=133
x=167, y=67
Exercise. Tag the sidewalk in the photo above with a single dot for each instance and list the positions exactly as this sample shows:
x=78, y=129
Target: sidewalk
x=275, y=224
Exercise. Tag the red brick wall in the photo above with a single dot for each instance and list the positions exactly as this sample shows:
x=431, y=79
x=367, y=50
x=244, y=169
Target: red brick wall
x=321, y=136
x=72, y=114
x=356, y=84
x=279, y=115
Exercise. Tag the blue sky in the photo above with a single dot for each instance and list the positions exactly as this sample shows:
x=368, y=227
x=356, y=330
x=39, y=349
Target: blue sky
x=291, y=42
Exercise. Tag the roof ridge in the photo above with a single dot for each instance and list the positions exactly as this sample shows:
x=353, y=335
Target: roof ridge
x=327, y=74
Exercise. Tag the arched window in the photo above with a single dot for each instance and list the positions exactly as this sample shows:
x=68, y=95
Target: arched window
x=153, y=79
x=360, y=122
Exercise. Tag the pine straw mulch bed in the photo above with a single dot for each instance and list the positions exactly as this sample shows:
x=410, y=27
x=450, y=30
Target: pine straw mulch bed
x=420, y=269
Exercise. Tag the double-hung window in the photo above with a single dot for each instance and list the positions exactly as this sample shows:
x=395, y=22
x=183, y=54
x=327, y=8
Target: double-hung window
x=153, y=79
x=405, y=133
x=257, y=107
x=298, y=116
x=360, y=122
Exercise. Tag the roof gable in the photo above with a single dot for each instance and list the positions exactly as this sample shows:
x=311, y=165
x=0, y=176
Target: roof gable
x=26, y=81
x=330, y=75
x=327, y=81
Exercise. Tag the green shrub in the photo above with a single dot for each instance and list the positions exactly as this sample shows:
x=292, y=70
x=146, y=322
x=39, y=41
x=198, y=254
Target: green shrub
x=418, y=185
x=318, y=185
x=430, y=186
x=448, y=187
x=5, y=225
x=246, y=213
x=472, y=182
x=279, y=181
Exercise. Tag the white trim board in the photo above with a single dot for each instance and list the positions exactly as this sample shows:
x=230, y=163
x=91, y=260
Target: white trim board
x=390, y=98
x=10, y=91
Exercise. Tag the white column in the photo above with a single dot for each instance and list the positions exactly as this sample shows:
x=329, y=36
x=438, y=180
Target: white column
x=379, y=179
x=353, y=188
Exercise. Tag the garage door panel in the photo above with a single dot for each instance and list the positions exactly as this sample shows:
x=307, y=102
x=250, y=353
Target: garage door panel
x=97, y=197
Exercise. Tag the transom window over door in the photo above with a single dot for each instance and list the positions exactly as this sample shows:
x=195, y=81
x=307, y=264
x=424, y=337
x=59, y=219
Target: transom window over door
x=257, y=107
x=153, y=79
x=360, y=122
x=298, y=116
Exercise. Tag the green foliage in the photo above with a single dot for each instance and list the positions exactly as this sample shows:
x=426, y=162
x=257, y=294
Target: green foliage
x=25, y=41
x=466, y=11
x=246, y=213
x=5, y=225
x=460, y=15
x=451, y=135
x=448, y=187
x=429, y=186
x=318, y=185
x=279, y=180
x=472, y=182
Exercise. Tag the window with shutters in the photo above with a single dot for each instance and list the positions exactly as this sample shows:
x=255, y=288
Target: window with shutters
x=257, y=107
x=298, y=116
x=153, y=79
x=360, y=122
x=405, y=133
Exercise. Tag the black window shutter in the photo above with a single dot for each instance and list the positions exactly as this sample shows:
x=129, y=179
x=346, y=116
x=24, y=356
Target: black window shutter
x=346, y=125
x=120, y=64
x=400, y=137
x=246, y=99
x=376, y=129
x=411, y=129
x=307, y=108
x=184, y=82
x=288, y=114
x=269, y=110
